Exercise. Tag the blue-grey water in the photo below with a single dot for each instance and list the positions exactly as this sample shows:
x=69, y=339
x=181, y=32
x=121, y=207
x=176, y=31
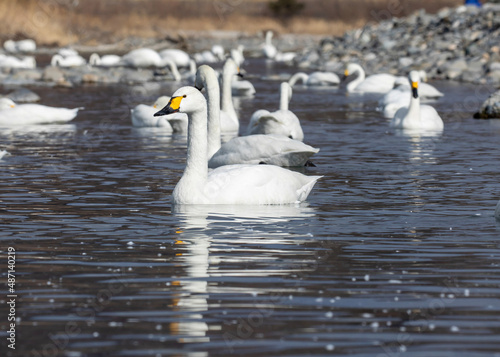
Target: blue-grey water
x=395, y=253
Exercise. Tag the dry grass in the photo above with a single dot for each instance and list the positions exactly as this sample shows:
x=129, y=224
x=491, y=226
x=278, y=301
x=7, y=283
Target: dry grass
x=62, y=22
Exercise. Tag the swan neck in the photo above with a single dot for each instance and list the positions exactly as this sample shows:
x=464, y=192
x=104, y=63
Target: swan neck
x=196, y=170
x=174, y=70
x=360, y=78
x=284, y=98
x=414, y=109
x=269, y=37
x=300, y=76
x=227, y=100
x=211, y=85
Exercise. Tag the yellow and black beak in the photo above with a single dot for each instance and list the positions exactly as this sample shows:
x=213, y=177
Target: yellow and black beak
x=172, y=107
x=414, y=89
x=239, y=74
x=346, y=73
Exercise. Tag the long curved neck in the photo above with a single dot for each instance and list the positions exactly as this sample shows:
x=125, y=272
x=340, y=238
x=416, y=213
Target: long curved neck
x=361, y=77
x=413, y=114
x=227, y=99
x=269, y=37
x=174, y=70
x=300, y=76
x=284, y=97
x=196, y=170
x=211, y=85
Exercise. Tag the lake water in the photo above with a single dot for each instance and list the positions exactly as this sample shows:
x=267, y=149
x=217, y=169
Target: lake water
x=395, y=253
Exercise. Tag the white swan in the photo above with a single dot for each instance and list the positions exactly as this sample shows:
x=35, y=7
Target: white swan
x=68, y=61
x=268, y=48
x=67, y=52
x=218, y=51
x=27, y=45
x=315, y=79
x=104, y=61
x=142, y=115
x=400, y=96
x=231, y=184
x=14, y=62
x=206, y=57
x=281, y=122
x=142, y=58
x=179, y=57
x=237, y=55
x=228, y=117
x=173, y=69
x=374, y=84
x=27, y=114
x=416, y=116
x=241, y=87
x=252, y=149
x=3, y=153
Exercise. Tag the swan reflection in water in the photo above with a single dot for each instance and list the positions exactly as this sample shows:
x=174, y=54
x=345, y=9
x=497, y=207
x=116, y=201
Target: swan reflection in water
x=199, y=261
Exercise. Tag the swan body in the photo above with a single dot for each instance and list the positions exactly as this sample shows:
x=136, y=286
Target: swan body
x=281, y=122
x=179, y=57
x=242, y=88
x=268, y=48
x=27, y=45
x=67, y=52
x=286, y=57
x=104, y=61
x=142, y=115
x=417, y=116
x=68, y=61
x=206, y=57
x=14, y=62
x=315, y=79
x=231, y=184
x=374, y=84
x=262, y=149
x=142, y=58
x=218, y=51
x=28, y=114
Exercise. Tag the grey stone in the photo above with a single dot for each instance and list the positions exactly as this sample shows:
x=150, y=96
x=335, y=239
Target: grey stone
x=490, y=108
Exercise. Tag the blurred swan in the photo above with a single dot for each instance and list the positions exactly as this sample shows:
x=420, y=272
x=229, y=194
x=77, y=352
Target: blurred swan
x=104, y=61
x=241, y=87
x=179, y=57
x=237, y=55
x=26, y=114
x=268, y=48
x=27, y=45
x=14, y=62
x=68, y=61
x=374, y=84
x=231, y=184
x=206, y=57
x=142, y=115
x=173, y=69
x=281, y=122
x=228, y=118
x=252, y=149
x=417, y=116
x=3, y=153
x=218, y=51
x=315, y=79
x=142, y=58
x=67, y=52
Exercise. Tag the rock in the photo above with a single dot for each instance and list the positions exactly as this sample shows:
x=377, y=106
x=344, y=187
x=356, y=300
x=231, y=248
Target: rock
x=490, y=108
x=453, y=70
x=23, y=95
x=52, y=74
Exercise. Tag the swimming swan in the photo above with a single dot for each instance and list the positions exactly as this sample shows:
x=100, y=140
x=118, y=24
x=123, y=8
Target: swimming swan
x=142, y=58
x=416, y=116
x=268, y=48
x=14, y=62
x=252, y=149
x=228, y=118
x=27, y=45
x=179, y=57
x=231, y=184
x=374, y=84
x=315, y=79
x=281, y=122
x=69, y=61
x=28, y=114
x=142, y=115
x=104, y=61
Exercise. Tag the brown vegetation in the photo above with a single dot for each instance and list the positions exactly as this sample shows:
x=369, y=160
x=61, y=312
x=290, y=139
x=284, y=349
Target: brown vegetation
x=63, y=22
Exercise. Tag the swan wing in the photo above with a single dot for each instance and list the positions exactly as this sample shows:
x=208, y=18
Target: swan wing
x=323, y=79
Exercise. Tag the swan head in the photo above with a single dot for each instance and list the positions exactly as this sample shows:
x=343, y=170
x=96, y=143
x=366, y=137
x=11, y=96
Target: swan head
x=231, y=68
x=414, y=78
x=351, y=69
x=6, y=103
x=185, y=100
x=94, y=59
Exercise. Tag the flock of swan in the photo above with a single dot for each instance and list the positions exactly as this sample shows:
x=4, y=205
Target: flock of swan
x=232, y=172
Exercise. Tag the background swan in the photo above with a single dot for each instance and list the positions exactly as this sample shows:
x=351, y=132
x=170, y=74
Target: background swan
x=417, y=116
x=27, y=45
x=179, y=57
x=231, y=184
x=237, y=55
x=68, y=61
x=142, y=115
x=281, y=122
x=268, y=48
x=252, y=149
x=374, y=84
x=142, y=58
x=315, y=79
x=104, y=61
x=14, y=62
x=2, y=153
x=27, y=114
x=228, y=118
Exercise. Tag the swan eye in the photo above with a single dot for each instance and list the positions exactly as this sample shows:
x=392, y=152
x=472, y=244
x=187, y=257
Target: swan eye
x=184, y=96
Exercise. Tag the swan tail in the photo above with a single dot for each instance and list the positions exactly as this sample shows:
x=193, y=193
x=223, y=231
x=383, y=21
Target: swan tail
x=303, y=192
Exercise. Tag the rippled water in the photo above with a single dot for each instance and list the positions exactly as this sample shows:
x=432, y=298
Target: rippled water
x=395, y=253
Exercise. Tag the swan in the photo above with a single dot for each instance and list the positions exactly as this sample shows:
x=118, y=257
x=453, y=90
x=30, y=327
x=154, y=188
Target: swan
x=179, y=57
x=268, y=48
x=218, y=51
x=142, y=58
x=400, y=96
x=416, y=116
x=14, y=62
x=281, y=122
x=231, y=184
x=315, y=79
x=3, y=153
x=27, y=114
x=68, y=61
x=67, y=52
x=173, y=69
x=374, y=84
x=104, y=61
x=228, y=117
x=241, y=88
x=27, y=45
x=206, y=57
x=142, y=115
x=252, y=149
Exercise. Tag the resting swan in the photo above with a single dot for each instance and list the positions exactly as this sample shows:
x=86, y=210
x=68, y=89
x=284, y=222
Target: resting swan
x=68, y=61
x=142, y=115
x=28, y=114
x=252, y=149
x=268, y=48
x=281, y=122
x=142, y=58
x=416, y=116
x=374, y=84
x=104, y=61
x=315, y=79
x=179, y=57
x=231, y=184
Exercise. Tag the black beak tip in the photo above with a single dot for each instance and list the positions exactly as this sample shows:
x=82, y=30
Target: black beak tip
x=159, y=114
x=240, y=75
x=415, y=92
